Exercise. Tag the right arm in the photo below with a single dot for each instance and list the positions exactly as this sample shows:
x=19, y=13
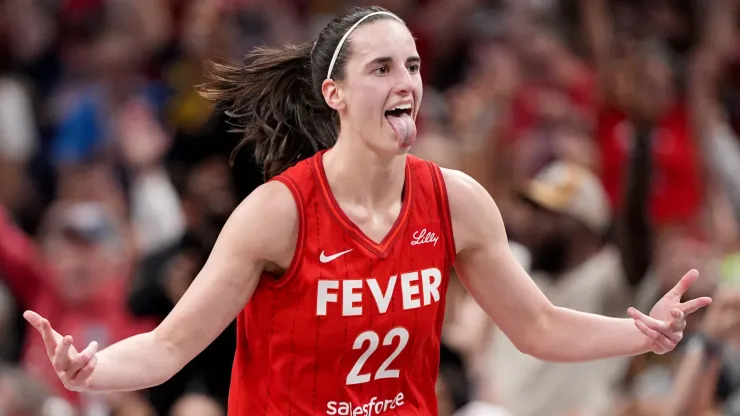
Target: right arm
x=706, y=115
x=599, y=33
x=262, y=231
x=707, y=63
x=21, y=268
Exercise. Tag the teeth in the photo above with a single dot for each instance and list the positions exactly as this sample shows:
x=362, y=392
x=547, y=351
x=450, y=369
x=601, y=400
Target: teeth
x=402, y=107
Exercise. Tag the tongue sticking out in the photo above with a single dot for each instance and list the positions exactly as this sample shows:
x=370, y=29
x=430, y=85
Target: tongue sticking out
x=404, y=127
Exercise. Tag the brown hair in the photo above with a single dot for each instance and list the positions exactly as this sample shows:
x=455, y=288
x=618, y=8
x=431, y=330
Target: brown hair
x=274, y=97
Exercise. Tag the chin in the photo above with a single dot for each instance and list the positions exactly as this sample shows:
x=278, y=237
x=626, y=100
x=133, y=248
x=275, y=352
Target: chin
x=400, y=148
x=387, y=147
x=393, y=149
x=406, y=145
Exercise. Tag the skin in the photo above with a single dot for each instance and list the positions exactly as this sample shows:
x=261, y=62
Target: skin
x=365, y=170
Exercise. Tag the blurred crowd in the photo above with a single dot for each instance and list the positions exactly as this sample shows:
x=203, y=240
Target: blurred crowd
x=606, y=130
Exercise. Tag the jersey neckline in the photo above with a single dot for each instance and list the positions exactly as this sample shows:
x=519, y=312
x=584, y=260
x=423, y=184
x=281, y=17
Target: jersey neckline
x=383, y=248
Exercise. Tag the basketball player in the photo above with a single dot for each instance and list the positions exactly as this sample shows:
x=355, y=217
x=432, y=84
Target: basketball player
x=336, y=269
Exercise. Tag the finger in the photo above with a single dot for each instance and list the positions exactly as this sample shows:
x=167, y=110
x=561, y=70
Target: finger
x=41, y=324
x=676, y=325
x=683, y=285
x=82, y=359
x=650, y=333
x=50, y=341
x=678, y=320
x=61, y=359
x=56, y=336
x=86, y=371
x=694, y=305
x=664, y=343
x=33, y=318
x=663, y=328
x=653, y=323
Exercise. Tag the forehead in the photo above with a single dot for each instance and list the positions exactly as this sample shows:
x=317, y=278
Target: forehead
x=384, y=37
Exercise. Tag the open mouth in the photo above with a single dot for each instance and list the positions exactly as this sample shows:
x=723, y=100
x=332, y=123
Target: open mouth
x=399, y=111
x=401, y=120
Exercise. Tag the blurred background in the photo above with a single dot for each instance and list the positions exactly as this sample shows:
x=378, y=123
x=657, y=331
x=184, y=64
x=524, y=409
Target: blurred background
x=606, y=130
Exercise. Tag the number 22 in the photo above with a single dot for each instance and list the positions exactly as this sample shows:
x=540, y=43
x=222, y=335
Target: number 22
x=354, y=376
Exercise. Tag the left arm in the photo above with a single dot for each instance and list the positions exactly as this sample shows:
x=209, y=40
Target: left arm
x=534, y=325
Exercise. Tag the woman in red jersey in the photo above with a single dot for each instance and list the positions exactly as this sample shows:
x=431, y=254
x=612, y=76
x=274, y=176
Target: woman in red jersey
x=337, y=267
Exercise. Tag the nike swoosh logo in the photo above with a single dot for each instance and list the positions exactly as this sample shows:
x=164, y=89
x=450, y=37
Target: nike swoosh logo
x=326, y=259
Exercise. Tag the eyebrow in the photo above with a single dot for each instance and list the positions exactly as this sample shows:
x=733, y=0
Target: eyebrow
x=387, y=59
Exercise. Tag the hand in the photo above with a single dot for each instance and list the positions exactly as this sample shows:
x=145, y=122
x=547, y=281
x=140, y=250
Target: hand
x=143, y=141
x=72, y=367
x=667, y=320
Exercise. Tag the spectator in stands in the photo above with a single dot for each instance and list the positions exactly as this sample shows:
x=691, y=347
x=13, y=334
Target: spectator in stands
x=77, y=274
x=98, y=110
x=568, y=216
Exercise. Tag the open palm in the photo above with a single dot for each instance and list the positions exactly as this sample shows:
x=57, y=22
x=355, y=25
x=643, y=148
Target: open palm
x=73, y=368
x=667, y=320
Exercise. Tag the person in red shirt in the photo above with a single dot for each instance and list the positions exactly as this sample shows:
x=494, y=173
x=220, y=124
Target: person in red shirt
x=76, y=276
x=337, y=267
x=639, y=83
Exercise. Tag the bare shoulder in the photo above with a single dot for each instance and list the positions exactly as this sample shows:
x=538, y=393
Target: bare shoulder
x=475, y=217
x=265, y=224
x=461, y=186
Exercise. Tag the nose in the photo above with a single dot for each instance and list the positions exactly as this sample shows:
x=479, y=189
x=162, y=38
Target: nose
x=405, y=83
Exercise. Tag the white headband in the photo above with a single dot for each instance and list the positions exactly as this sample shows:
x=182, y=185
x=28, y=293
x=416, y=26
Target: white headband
x=346, y=35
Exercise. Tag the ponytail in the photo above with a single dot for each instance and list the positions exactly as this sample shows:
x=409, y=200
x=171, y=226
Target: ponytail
x=271, y=102
x=274, y=96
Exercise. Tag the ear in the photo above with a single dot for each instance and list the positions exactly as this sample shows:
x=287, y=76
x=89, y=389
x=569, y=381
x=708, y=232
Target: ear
x=332, y=94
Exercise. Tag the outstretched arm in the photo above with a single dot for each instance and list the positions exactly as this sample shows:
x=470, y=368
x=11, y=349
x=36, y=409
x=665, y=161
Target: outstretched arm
x=599, y=35
x=536, y=327
x=260, y=231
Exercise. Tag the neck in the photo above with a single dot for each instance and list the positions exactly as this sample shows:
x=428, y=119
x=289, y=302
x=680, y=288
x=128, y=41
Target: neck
x=359, y=175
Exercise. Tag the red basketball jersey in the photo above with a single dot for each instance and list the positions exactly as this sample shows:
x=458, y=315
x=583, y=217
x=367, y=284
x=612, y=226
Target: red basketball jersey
x=353, y=327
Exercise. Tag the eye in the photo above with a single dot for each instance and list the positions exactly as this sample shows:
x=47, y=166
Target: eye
x=383, y=70
x=413, y=68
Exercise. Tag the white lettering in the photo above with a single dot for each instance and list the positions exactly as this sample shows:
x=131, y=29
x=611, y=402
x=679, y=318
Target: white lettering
x=416, y=291
x=350, y=297
x=324, y=296
x=423, y=237
x=371, y=403
x=408, y=290
x=372, y=408
x=382, y=299
x=430, y=288
x=354, y=376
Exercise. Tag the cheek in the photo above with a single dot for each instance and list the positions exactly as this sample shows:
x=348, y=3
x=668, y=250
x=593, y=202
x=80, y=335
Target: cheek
x=63, y=256
x=418, y=91
x=362, y=99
